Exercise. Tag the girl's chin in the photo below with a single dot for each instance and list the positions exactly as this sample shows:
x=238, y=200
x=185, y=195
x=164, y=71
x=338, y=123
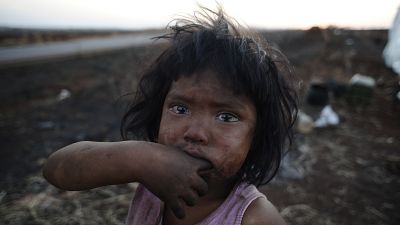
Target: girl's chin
x=216, y=177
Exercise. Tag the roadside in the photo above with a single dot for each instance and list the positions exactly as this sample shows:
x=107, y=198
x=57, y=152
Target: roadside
x=70, y=48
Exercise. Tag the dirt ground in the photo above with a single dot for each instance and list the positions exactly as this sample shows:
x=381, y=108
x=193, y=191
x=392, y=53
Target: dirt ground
x=348, y=174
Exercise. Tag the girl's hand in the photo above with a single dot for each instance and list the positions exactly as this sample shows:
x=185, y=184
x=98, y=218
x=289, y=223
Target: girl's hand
x=170, y=173
x=173, y=176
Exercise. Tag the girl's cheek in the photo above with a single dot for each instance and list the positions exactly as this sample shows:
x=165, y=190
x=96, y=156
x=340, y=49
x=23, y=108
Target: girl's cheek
x=228, y=169
x=231, y=165
x=166, y=137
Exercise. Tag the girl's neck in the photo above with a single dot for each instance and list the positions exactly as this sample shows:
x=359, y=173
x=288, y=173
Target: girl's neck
x=218, y=191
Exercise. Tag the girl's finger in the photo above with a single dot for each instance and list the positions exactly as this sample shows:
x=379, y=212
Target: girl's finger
x=190, y=198
x=177, y=208
x=200, y=186
x=203, y=165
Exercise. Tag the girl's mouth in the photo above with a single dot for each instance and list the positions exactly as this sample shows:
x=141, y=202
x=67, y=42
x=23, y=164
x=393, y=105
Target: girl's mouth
x=196, y=152
x=193, y=151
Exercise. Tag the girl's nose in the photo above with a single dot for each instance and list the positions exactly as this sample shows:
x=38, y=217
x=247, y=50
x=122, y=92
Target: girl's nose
x=196, y=134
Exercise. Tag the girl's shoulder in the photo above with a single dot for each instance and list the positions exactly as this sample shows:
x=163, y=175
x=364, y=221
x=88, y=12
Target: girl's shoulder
x=261, y=211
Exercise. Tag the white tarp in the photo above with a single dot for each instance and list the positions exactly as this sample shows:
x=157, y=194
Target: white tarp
x=391, y=53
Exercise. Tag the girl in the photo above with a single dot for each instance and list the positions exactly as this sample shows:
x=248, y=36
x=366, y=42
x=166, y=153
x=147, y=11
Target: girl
x=213, y=113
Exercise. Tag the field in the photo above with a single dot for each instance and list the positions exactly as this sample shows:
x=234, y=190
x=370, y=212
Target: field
x=347, y=174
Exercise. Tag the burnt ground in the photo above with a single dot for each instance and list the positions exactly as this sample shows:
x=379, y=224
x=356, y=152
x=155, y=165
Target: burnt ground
x=348, y=174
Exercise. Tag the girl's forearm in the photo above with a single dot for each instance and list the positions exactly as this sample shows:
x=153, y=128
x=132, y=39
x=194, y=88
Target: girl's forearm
x=85, y=165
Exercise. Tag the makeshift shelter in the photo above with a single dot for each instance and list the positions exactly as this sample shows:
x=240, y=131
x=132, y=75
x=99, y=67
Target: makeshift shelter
x=391, y=53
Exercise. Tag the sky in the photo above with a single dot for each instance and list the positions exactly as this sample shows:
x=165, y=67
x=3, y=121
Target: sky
x=139, y=14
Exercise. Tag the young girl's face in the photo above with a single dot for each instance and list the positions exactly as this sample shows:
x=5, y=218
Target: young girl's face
x=204, y=118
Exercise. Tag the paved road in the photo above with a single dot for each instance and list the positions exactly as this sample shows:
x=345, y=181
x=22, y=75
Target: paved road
x=37, y=52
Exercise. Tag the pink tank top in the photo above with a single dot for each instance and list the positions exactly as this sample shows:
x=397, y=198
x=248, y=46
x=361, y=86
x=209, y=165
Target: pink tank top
x=146, y=208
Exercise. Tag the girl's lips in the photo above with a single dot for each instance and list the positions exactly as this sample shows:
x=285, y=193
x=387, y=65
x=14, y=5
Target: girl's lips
x=197, y=153
x=192, y=151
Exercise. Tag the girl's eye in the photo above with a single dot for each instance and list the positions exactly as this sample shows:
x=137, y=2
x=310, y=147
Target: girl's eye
x=227, y=117
x=179, y=109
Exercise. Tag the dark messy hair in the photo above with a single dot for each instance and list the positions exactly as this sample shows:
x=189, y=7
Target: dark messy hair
x=246, y=63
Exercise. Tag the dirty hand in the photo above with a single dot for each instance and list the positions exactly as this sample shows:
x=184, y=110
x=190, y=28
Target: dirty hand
x=173, y=176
